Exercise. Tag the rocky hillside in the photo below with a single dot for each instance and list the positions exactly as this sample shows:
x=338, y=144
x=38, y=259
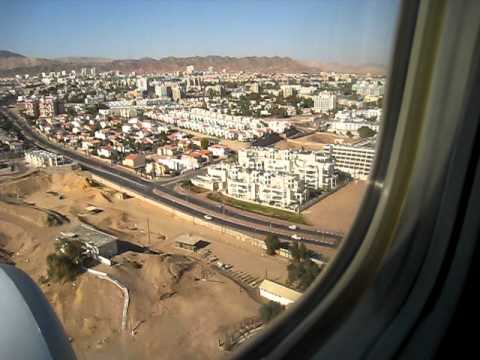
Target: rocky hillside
x=18, y=64
x=9, y=54
x=12, y=63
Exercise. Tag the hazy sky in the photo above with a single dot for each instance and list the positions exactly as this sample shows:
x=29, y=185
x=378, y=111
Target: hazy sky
x=346, y=31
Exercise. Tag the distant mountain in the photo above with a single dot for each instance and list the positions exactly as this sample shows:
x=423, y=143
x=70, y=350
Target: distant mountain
x=374, y=69
x=19, y=65
x=11, y=64
x=9, y=54
x=83, y=60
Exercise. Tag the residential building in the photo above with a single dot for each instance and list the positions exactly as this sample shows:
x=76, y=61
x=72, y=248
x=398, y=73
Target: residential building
x=49, y=107
x=134, y=161
x=142, y=84
x=218, y=150
x=316, y=168
x=279, y=178
x=176, y=93
x=355, y=160
x=32, y=108
x=42, y=158
x=324, y=102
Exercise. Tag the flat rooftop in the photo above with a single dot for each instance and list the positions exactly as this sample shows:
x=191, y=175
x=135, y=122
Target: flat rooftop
x=93, y=236
x=279, y=290
x=188, y=239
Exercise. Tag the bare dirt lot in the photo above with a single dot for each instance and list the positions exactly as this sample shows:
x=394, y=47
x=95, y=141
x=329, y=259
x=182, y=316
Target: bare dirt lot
x=337, y=211
x=315, y=141
x=173, y=317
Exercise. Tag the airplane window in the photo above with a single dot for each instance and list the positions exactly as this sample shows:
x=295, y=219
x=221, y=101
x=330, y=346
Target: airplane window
x=175, y=175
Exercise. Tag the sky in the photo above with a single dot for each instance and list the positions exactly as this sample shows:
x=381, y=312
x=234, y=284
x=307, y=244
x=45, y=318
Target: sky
x=345, y=31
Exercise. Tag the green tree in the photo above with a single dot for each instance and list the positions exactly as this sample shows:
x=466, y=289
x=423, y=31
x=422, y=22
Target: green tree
x=365, y=132
x=349, y=134
x=244, y=105
x=270, y=310
x=67, y=260
x=272, y=243
x=92, y=110
x=61, y=268
x=294, y=251
x=73, y=250
x=301, y=270
x=211, y=93
x=71, y=112
x=307, y=103
x=303, y=252
x=204, y=143
x=278, y=111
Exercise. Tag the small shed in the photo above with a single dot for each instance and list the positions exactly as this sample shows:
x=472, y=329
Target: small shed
x=278, y=293
x=188, y=242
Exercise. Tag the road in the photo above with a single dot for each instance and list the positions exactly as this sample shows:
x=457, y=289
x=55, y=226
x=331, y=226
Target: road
x=164, y=194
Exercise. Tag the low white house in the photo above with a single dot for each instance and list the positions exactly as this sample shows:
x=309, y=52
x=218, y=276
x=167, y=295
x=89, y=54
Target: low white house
x=218, y=150
x=281, y=294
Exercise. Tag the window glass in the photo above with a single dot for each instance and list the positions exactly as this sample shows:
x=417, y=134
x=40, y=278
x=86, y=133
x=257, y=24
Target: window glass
x=174, y=174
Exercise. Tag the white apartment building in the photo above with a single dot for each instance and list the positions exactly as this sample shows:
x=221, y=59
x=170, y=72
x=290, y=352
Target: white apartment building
x=316, y=168
x=369, y=88
x=352, y=120
x=275, y=189
x=289, y=90
x=242, y=128
x=324, y=102
x=354, y=160
x=162, y=90
x=279, y=178
x=42, y=158
x=343, y=127
x=49, y=107
x=142, y=84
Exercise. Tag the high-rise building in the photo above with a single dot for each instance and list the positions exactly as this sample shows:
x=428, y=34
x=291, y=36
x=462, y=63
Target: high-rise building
x=142, y=84
x=176, y=93
x=31, y=108
x=50, y=106
x=254, y=88
x=288, y=90
x=354, y=160
x=324, y=102
x=162, y=90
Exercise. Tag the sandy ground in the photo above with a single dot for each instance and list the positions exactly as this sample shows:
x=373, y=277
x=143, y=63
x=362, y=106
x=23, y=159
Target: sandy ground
x=337, y=211
x=315, y=141
x=174, y=318
x=232, y=144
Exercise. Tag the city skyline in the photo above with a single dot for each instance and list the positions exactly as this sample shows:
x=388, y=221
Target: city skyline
x=323, y=31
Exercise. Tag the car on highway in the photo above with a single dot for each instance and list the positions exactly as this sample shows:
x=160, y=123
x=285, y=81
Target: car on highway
x=207, y=217
x=292, y=227
x=296, y=237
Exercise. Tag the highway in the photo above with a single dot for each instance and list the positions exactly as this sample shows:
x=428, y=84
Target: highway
x=166, y=195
